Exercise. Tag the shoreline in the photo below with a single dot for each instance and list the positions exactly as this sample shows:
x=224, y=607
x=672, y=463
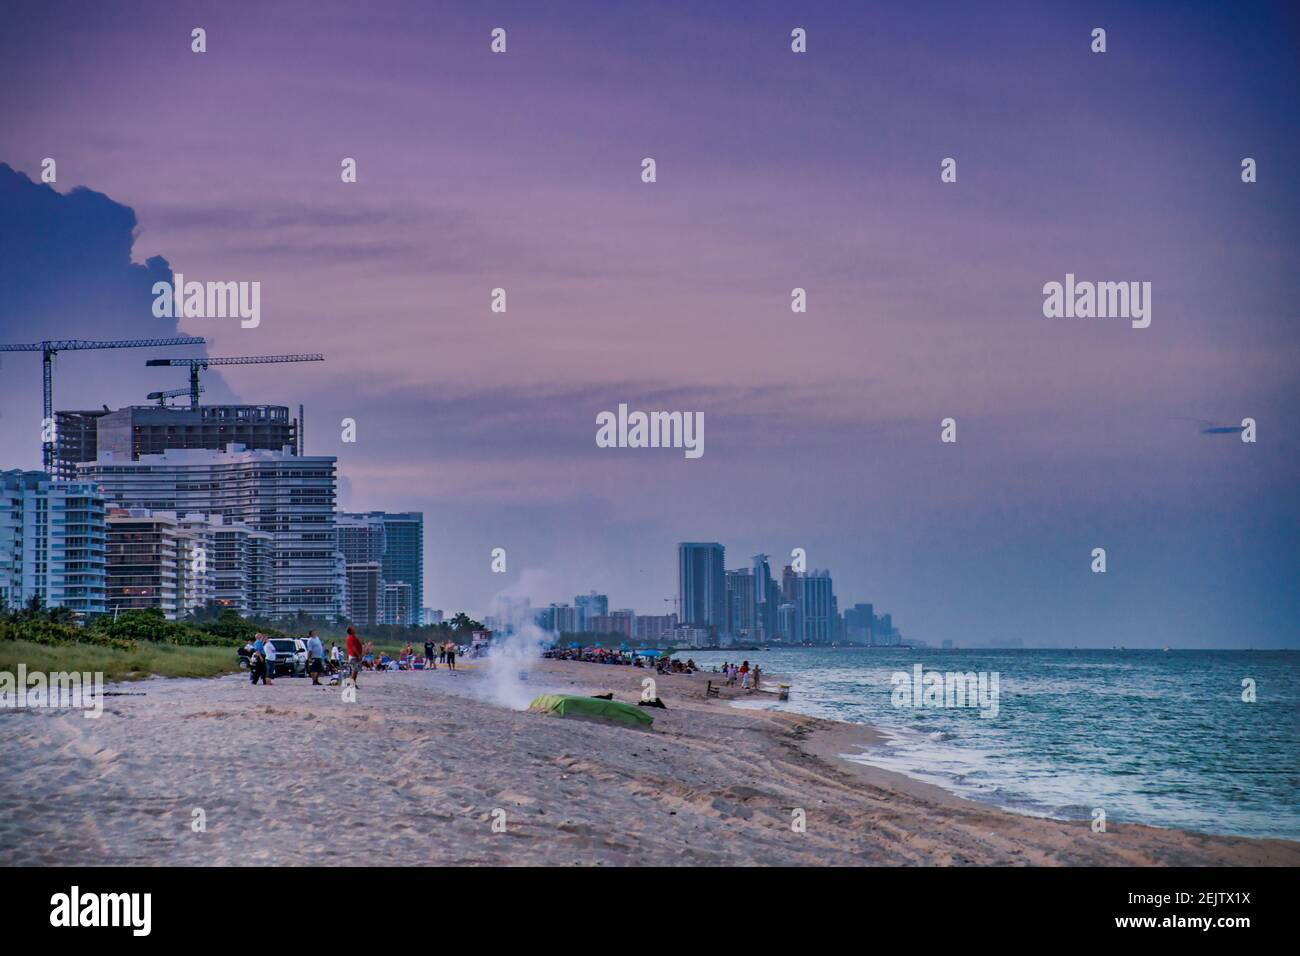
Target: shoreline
x=418, y=769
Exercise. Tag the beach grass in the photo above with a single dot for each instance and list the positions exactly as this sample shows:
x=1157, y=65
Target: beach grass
x=146, y=660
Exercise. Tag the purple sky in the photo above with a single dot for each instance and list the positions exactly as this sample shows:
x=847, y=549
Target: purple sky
x=775, y=170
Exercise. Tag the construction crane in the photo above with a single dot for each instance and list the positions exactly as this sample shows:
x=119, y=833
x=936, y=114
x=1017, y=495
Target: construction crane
x=201, y=363
x=50, y=347
x=161, y=397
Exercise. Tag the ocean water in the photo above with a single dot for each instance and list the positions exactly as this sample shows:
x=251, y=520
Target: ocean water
x=1148, y=736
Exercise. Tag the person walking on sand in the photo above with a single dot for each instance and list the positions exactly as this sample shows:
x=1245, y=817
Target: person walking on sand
x=354, y=655
x=257, y=662
x=429, y=661
x=756, y=674
x=315, y=657
x=744, y=676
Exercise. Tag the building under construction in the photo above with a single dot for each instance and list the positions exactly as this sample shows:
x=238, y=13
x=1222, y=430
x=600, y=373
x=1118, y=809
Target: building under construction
x=152, y=429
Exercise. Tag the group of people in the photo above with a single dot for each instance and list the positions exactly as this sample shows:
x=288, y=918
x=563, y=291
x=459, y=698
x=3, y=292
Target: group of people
x=748, y=677
x=345, y=662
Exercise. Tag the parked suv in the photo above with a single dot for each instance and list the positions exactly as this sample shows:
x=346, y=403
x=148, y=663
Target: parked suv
x=290, y=657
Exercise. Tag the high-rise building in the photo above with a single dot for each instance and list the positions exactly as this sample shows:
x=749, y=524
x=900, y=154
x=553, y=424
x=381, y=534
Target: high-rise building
x=622, y=623
x=702, y=586
x=766, y=600
x=741, y=604
x=654, y=628
x=288, y=497
x=785, y=621
x=397, y=604
x=144, y=558
x=366, y=596
x=559, y=619
x=396, y=541
x=404, y=558
x=592, y=605
x=241, y=568
x=815, y=613
x=153, y=429
x=52, y=542
x=361, y=537
x=858, y=621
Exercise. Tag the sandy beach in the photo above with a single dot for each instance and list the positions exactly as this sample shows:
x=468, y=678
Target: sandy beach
x=428, y=768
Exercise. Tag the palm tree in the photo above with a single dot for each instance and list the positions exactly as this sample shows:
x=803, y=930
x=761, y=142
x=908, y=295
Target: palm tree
x=463, y=622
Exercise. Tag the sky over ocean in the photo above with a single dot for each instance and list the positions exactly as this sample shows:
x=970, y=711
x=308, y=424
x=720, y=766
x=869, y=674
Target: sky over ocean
x=775, y=171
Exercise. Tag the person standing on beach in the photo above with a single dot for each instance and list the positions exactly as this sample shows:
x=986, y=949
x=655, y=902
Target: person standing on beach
x=315, y=657
x=451, y=656
x=756, y=674
x=354, y=655
x=428, y=653
x=268, y=651
x=744, y=675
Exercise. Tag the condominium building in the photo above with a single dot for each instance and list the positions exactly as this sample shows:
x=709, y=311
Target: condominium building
x=396, y=541
x=702, y=585
x=654, y=628
x=816, y=617
x=241, y=568
x=365, y=605
x=404, y=558
x=52, y=540
x=397, y=604
x=289, y=497
x=143, y=561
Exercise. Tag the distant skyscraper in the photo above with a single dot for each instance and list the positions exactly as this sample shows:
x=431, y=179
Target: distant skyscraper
x=858, y=622
x=404, y=557
x=766, y=599
x=741, y=603
x=592, y=605
x=366, y=596
x=396, y=541
x=815, y=614
x=52, y=542
x=702, y=585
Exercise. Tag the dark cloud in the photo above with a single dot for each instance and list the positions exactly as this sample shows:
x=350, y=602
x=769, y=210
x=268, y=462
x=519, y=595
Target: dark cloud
x=66, y=271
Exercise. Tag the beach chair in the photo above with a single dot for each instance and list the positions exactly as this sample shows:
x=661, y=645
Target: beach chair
x=711, y=691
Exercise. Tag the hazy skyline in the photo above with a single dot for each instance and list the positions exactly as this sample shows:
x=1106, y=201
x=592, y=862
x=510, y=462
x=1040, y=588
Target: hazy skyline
x=775, y=170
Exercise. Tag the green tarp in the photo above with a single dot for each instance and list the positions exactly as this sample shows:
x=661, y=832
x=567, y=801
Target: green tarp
x=567, y=705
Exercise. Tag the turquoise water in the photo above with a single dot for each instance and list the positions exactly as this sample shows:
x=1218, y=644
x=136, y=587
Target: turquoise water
x=1148, y=736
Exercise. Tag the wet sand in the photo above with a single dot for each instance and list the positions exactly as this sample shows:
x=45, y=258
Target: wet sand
x=425, y=768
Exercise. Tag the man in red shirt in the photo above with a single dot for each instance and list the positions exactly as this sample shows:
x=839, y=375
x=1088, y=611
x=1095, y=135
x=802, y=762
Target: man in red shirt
x=354, y=655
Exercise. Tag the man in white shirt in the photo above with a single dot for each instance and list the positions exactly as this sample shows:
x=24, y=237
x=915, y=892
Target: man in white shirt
x=315, y=658
x=269, y=651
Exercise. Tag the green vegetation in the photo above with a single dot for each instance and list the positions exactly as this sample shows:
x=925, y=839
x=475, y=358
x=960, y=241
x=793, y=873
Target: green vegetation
x=142, y=643
x=145, y=660
x=136, y=644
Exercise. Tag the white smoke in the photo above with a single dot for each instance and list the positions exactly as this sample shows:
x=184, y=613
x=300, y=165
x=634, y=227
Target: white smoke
x=517, y=644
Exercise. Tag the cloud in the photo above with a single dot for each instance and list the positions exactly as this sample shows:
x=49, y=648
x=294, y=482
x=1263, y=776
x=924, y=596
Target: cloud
x=65, y=266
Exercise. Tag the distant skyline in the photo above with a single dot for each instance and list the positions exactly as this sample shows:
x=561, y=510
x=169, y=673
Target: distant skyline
x=775, y=171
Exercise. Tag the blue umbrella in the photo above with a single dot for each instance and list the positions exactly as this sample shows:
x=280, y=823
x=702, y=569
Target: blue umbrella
x=650, y=653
